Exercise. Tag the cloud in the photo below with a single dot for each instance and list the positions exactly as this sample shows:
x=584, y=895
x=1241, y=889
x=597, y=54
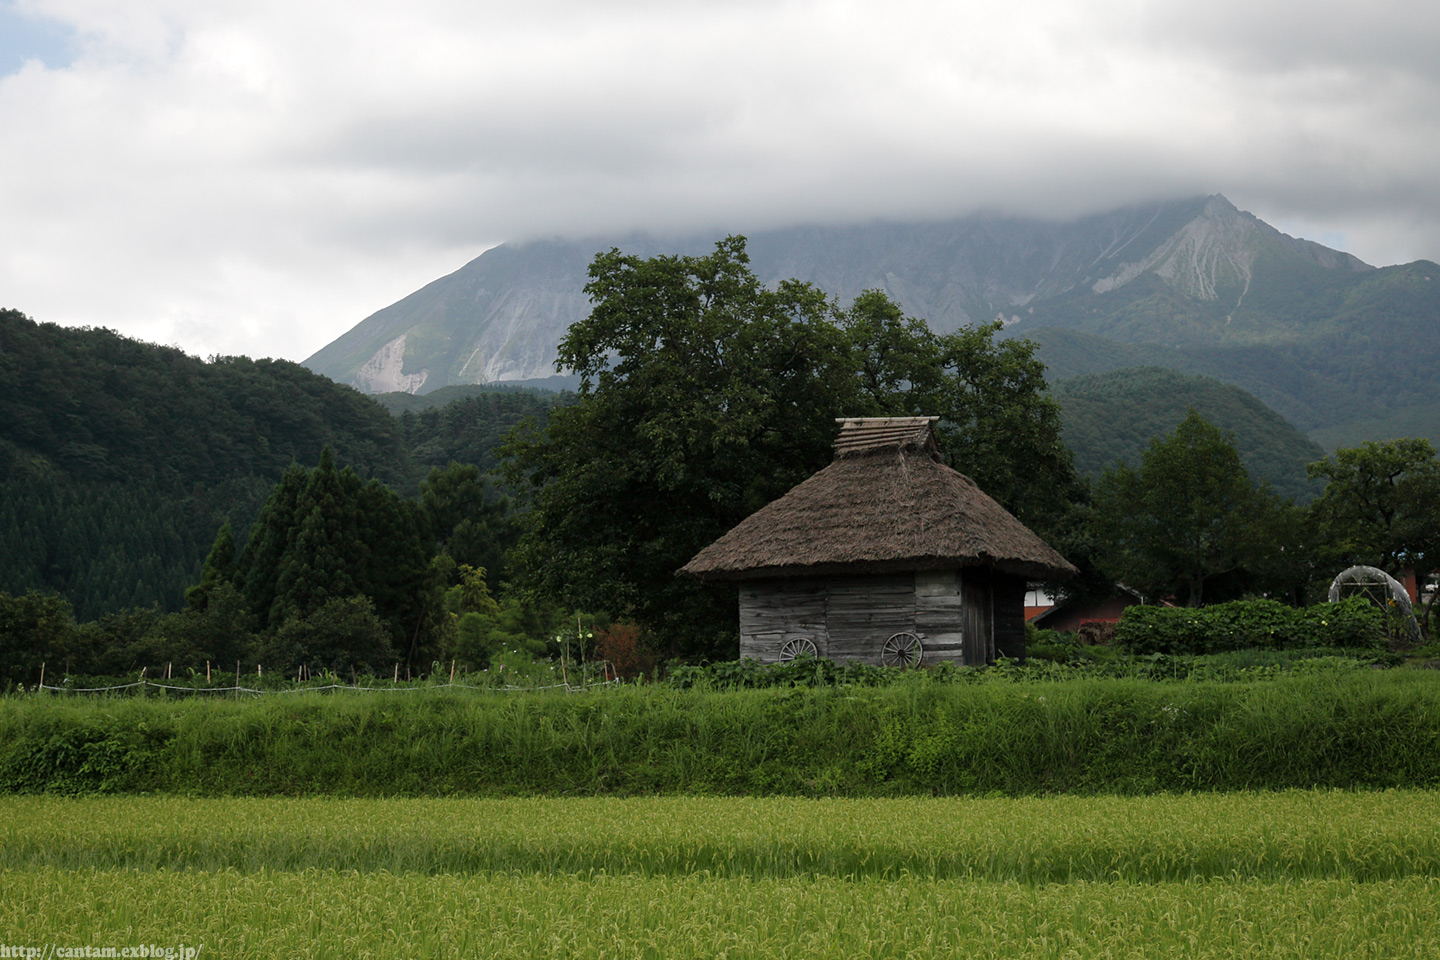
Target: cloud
x=257, y=177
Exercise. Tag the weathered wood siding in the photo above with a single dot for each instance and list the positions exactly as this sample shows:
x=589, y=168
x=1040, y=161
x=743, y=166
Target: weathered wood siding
x=861, y=612
x=774, y=611
x=939, y=611
x=966, y=617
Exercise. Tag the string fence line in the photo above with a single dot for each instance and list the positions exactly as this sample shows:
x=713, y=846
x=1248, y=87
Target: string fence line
x=356, y=688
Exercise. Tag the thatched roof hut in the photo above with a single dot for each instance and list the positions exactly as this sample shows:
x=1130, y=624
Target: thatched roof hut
x=885, y=540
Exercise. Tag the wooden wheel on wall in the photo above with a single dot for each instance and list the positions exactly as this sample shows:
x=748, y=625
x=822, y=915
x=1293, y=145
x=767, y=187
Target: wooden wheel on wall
x=796, y=646
x=902, y=650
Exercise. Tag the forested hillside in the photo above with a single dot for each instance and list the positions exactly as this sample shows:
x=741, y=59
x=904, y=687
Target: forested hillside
x=1113, y=416
x=466, y=424
x=120, y=459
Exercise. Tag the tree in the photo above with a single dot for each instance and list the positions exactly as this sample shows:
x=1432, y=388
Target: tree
x=259, y=565
x=324, y=549
x=705, y=395
x=1381, y=507
x=342, y=634
x=1188, y=515
x=35, y=628
x=219, y=567
x=466, y=521
x=326, y=536
x=998, y=423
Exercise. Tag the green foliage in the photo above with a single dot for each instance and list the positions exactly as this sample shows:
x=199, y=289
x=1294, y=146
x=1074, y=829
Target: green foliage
x=1381, y=507
x=1187, y=516
x=1244, y=624
x=219, y=567
x=1381, y=504
x=466, y=520
x=99, y=406
x=342, y=635
x=1355, y=728
x=1113, y=416
x=705, y=395
x=467, y=429
x=76, y=760
x=325, y=536
x=35, y=628
x=119, y=459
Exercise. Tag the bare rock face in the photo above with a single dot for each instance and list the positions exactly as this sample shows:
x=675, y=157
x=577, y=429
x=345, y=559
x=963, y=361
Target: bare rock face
x=1179, y=272
x=383, y=373
x=1211, y=251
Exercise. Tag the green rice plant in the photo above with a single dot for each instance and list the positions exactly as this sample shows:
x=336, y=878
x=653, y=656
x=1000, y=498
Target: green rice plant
x=344, y=914
x=1313, y=835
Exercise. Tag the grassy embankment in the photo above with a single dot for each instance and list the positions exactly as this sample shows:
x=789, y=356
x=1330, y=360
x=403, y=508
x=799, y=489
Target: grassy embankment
x=1342, y=728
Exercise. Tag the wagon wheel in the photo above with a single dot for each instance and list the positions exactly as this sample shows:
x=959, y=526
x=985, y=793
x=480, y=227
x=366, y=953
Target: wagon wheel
x=796, y=646
x=902, y=650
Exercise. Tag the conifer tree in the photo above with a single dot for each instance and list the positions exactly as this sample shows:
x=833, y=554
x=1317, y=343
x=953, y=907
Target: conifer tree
x=270, y=537
x=319, y=562
x=219, y=568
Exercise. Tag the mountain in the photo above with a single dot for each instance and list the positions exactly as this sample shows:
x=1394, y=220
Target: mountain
x=120, y=459
x=1194, y=285
x=1109, y=417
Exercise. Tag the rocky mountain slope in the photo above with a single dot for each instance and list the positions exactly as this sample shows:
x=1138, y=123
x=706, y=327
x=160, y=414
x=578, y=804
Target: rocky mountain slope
x=1195, y=285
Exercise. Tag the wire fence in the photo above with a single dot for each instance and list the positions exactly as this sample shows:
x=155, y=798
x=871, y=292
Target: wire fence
x=141, y=685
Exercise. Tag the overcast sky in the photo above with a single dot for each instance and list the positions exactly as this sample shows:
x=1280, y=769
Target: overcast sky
x=257, y=176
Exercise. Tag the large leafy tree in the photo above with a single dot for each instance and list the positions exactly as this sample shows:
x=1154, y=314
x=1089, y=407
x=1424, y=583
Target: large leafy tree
x=705, y=395
x=998, y=424
x=1189, y=514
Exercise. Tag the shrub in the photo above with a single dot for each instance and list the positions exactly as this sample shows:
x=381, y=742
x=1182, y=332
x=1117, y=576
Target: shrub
x=343, y=635
x=1250, y=624
x=622, y=645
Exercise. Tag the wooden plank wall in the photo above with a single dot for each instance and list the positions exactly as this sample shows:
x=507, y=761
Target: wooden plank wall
x=967, y=618
x=861, y=612
x=774, y=611
x=939, y=611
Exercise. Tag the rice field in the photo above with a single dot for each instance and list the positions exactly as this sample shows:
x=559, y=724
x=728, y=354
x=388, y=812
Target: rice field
x=1289, y=874
x=339, y=914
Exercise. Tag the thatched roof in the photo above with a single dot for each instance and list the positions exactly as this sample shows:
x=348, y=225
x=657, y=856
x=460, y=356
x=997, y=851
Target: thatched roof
x=886, y=504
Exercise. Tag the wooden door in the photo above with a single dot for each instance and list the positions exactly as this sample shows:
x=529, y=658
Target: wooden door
x=977, y=620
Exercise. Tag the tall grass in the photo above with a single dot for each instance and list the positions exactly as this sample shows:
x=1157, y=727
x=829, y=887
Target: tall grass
x=1349, y=728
